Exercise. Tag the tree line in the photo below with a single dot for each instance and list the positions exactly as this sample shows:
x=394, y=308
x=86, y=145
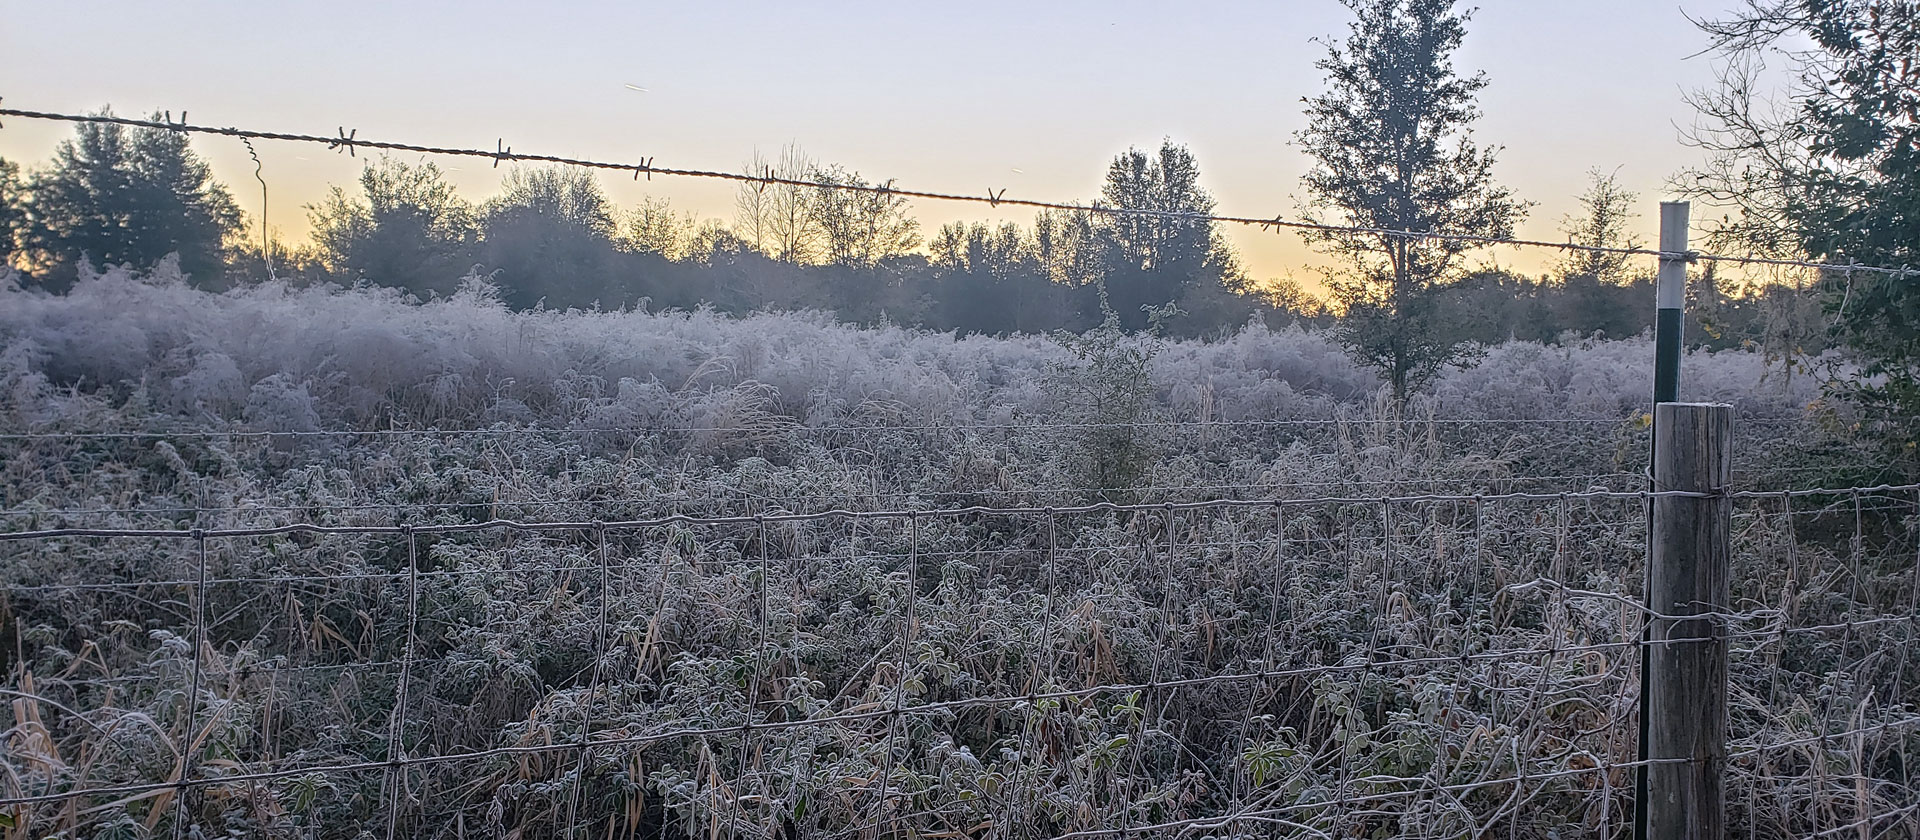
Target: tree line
x=1391, y=145
x=551, y=237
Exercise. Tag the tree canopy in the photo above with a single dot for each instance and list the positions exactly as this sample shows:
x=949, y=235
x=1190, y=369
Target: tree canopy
x=13, y=211
x=407, y=228
x=1835, y=176
x=1147, y=261
x=1392, y=149
x=118, y=195
x=549, y=235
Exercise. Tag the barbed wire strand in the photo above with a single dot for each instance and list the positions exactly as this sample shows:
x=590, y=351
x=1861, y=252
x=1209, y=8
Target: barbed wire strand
x=348, y=141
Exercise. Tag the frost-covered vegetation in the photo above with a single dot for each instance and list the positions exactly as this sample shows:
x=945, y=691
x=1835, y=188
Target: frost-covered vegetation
x=1412, y=645
x=871, y=414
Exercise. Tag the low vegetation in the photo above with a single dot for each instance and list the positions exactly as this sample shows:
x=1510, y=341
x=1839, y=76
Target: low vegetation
x=1442, y=667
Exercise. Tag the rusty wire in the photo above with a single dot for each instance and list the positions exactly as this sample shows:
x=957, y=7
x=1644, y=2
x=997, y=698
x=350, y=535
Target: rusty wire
x=348, y=140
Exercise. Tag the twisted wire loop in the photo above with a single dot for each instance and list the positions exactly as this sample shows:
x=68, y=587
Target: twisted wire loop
x=350, y=141
x=1403, y=666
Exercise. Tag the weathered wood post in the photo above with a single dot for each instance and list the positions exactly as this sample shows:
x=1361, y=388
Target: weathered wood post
x=1688, y=575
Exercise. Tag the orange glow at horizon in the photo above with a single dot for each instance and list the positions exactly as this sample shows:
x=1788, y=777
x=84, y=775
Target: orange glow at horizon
x=1035, y=101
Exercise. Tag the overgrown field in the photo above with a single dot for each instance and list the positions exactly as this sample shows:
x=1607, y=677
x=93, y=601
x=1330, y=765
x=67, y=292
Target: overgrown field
x=1418, y=625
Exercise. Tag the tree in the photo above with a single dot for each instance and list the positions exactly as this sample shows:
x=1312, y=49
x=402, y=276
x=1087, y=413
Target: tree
x=1067, y=244
x=775, y=217
x=408, y=228
x=117, y=195
x=548, y=237
x=994, y=281
x=653, y=228
x=1606, y=209
x=1834, y=174
x=1393, y=150
x=1601, y=292
x=1293, y=302
x=1152, y=260
x=858, y=227
x=13, y=212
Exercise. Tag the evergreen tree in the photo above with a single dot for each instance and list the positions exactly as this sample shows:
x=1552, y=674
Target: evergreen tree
x=118, y=195
x=1149, y=261
x=1392, y=150
x=1601, y=292
x=13, y=212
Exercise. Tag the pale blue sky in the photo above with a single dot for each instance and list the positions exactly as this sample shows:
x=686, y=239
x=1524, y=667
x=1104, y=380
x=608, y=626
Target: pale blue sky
x=948, y=97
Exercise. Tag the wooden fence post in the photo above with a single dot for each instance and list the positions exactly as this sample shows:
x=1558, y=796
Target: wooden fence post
x=1688, y=575
x=1670, y=302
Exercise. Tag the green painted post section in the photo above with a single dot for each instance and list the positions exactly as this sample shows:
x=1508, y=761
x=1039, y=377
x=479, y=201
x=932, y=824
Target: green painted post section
x=1669, y=317
x=1670, y=300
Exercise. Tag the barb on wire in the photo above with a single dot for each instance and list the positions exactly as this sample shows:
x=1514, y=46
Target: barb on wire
x=349, y=142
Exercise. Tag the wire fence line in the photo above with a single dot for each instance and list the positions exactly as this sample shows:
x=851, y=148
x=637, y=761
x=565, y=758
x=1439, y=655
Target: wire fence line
x=694, y=520
x=1257, y=489
x=1409, y=665
x=349, y=141
x=865, y=475
x=801, y=427
x=1239, y=488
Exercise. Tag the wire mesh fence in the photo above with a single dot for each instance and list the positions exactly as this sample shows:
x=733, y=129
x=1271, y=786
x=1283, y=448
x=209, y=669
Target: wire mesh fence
x=853, y=464
x=1403, y=666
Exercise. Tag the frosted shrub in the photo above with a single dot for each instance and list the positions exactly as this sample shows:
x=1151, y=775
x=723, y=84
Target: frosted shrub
x=370, y=359
x=279, y=404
